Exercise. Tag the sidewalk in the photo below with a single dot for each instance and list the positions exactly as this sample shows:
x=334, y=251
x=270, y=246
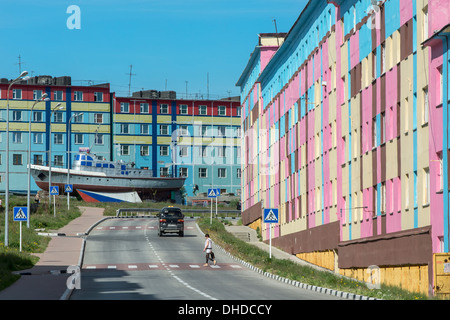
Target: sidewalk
x=47, y=279
x=239, y=231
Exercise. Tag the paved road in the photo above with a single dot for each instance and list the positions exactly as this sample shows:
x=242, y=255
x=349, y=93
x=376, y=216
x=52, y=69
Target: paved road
x=125, y=259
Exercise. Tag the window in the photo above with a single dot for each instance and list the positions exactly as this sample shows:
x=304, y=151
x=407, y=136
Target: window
x=222, y=111
x=440, y=96
x=183, y=151
x=38, y=138
x=204, y=130
x=407, y=191
x=145, y=151
x=17, y=115
x=425, y=23
x=164, y=108
x=383, y=127
x=183, y=109
x=202, y=110
x=374, y=132
x=58, y=160
x=221, y=131
x=124, y=107
x=17, y=93
x=37, y=116
x=99, y=139
x=163, y=172
x=57, y=95
x=78, y=118
x=98, y=118
x=58, y=117
x=124, y=150
x=222, y=172
x=164, y=130
x=17, y=159
x=17, y=137
x=37, y=159
x=406, y=113
x=238, y=111
x=204, y=151
x=163, y=150
x=183, y=172
x=37, y=94
x=425, y=105
x=238, y=132
x=58, y=138
x=440, y=178
x=238, y=173
x=124, y=128
x=98, y=96
x=183, y=130
x=144, y=108
x=238, y=152
x=203, y=172
x=383, y=58
x=383, y=197
x=78, y=96
x=221, y=151
x=426, y=186
x=78, y=138
x=145, y=129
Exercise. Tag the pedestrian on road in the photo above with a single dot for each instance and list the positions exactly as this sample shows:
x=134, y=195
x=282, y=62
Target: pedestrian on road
x=208, y=249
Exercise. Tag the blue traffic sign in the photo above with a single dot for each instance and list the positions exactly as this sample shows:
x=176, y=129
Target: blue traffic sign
x=20, y=213
x=54, y=190
x=214, y=192
x=271, y=215
x=68, y=188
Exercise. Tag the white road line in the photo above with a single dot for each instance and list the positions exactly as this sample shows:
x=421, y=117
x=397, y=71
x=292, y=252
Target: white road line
x=91, y=267
x=194, y=266
x=112, y=267
x=132, y=267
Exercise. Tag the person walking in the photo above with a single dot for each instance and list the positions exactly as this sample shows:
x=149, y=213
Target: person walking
x=208, y=250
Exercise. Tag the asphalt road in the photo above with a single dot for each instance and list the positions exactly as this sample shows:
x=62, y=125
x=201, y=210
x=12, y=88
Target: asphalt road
x=125, y=259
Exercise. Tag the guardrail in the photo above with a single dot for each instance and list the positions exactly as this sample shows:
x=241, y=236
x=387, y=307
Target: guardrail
x=151, y=212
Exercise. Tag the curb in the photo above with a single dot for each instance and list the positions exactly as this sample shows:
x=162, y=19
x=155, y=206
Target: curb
x=333, y=292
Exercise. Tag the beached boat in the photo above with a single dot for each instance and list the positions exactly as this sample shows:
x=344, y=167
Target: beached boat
x=93, y=174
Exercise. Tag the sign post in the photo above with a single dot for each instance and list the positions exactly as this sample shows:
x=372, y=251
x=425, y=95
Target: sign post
x=20, y=214
x=212, y=194
x=54, y=190
x=270, y=216
x=68, y=188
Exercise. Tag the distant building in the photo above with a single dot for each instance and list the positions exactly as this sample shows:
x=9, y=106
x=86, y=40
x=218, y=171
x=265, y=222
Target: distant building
x=91, y=128
x=197, y=139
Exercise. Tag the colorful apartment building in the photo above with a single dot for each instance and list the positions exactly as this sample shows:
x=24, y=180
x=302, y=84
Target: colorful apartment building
x=84, y=112
x=196, y=139
x=344, y=124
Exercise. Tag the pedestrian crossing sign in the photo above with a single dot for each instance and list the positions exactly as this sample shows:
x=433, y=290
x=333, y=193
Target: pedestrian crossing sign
x=68, y=188
x=212, y=193
x=20, y=214
x=271, y=215
x=54, y=190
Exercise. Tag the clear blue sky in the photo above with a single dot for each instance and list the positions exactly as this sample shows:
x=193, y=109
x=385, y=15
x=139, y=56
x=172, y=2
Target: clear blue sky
x=168, y=42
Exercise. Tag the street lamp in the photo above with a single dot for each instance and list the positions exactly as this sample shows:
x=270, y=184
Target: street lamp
x=68, y=155
x=57, y=107
x=23, y=74
x=43, y=98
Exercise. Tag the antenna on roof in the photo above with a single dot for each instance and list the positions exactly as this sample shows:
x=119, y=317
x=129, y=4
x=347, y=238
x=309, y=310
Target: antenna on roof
x=276, y=31
x=20, y=64
x=129, y=82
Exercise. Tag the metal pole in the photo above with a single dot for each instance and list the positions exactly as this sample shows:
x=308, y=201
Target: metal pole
x=270, y=240
x=7, y=160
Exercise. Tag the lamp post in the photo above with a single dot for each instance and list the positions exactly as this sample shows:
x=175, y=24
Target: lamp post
x=57, y=107
x=23, y=74
x=68, y=154
x=43, y=98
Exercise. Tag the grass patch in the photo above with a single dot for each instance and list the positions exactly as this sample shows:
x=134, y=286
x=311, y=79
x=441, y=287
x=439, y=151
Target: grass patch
x=11, y=259
x=291, y=270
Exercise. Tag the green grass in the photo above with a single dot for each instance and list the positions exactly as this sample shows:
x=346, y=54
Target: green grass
x=291, y=270
x=11, y=259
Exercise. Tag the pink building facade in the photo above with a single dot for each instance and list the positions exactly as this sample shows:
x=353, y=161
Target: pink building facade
x=345, y=128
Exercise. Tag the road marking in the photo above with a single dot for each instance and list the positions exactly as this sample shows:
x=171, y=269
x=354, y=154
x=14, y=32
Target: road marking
x=132, y=267
x=112, y=267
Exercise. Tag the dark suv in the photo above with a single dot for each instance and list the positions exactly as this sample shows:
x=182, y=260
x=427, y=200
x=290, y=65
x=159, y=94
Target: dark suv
x=171, y=220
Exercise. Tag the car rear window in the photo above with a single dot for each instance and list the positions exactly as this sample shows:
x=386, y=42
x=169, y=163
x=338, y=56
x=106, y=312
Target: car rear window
x=171, y=213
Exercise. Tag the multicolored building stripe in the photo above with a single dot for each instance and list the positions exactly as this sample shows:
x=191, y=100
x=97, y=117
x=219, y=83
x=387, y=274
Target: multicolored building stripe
x=197, y=139
x=344, y=134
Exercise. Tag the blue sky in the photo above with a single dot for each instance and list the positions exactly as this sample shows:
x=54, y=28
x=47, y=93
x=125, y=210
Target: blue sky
x=168, y=42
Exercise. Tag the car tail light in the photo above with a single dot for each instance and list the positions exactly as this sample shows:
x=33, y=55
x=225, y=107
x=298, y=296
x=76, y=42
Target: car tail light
x=162, y=220
x=180, y=220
